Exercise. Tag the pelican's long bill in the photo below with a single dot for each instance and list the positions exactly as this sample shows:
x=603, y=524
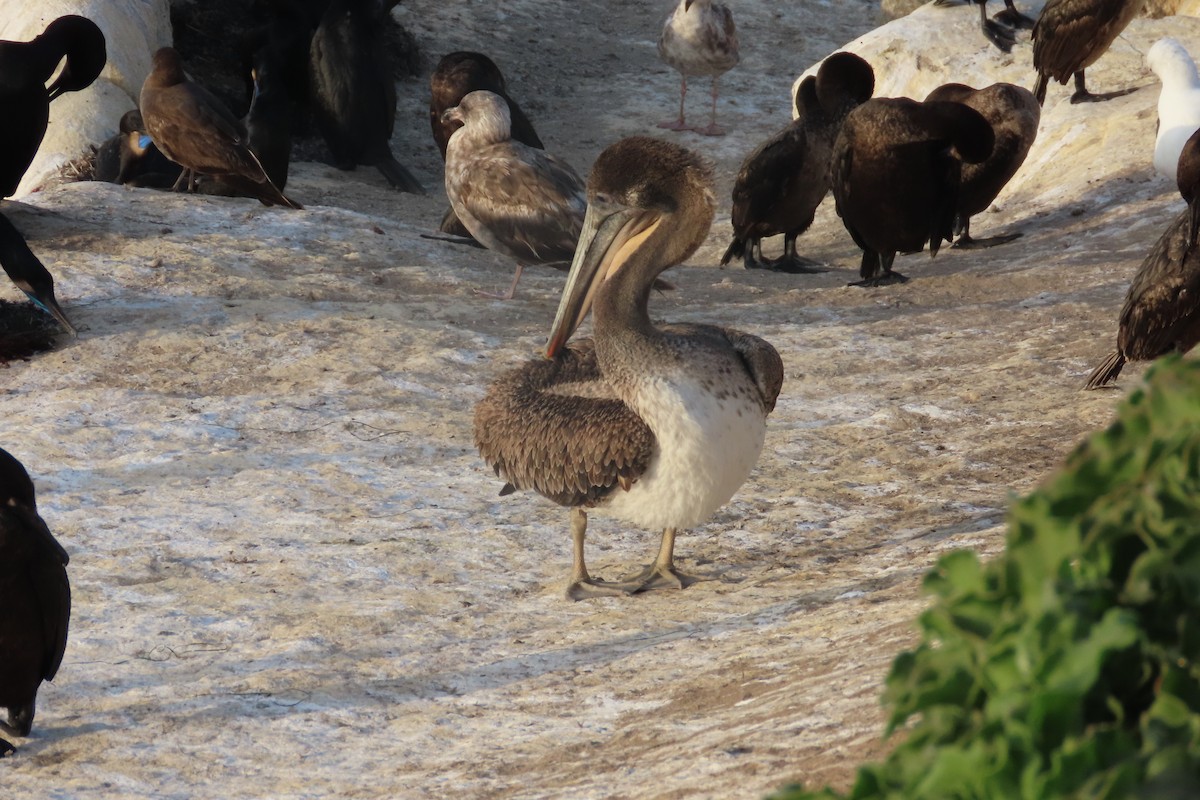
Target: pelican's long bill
x=611, y=232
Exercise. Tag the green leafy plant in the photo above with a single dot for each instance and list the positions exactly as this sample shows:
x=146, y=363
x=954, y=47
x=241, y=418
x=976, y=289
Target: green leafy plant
x=1068, y=666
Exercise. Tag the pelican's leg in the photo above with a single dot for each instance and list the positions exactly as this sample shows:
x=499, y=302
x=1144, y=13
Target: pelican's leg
x=713, y=128
x=512, y=290
x=582, y=584
x=662, y=572
x=678, y=124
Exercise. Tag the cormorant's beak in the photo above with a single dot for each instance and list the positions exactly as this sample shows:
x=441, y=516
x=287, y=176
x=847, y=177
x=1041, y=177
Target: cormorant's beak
x=50, y=306
x=56, y=89
x=610, y=233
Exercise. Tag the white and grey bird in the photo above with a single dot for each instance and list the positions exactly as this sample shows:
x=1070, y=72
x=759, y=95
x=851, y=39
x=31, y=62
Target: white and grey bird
x=698, y=38
x=656, y=425
x=513, y=198
x=1178, y=104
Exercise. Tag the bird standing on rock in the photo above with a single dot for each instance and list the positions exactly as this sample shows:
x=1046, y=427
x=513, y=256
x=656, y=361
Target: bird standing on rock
x=1071, y=35
x=1161, y=313
x=35, y=596
x=353, y=92
x=1178, y=103
x=24, y=98
x=457, y=75
x=1014, y=113
x=513, y=198
x=195, y=130
x=655, y=425
x=783, y=181
x=698, y=38
x=896, y=172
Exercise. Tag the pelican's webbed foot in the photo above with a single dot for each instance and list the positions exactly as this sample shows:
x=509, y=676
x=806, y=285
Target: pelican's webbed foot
x=583, y=588
x=660, y=576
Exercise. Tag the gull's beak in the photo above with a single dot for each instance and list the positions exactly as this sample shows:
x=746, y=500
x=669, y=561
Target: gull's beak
x=611, y=232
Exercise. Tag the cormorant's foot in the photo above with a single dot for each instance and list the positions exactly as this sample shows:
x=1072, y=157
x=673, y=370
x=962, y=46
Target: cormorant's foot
x=1014, y=19
x=1000, y=35
x=6, y=748
x=793, y=265
x=710, y=130
x=594, y=587
x=675, y=125
x=1089, y=97
x=660, y=577
x=881, y=280
x=968, y=243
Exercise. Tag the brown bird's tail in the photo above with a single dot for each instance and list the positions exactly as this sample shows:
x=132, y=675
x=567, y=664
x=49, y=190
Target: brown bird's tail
x=1107, y=372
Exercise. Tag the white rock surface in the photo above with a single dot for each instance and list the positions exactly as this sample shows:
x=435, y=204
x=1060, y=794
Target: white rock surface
x=293, y=577
x=133, y=30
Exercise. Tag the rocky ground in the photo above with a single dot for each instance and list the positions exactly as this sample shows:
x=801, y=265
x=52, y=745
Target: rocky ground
x=294, y=578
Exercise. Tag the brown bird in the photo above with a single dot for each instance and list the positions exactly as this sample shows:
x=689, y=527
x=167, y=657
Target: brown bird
x=35, y=600
x=513, y=198
x=457, y=75
x=1162, y=308
x=1071, y=35
x=698, y=38
x=783, y=181
x=896, y=173
x=195, y=130
x=1013, y=112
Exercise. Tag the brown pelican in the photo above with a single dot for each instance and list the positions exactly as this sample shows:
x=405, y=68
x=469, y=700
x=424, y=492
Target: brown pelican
x=1013, y=113
x=657, y=426
x=896, y=179
x=1162, y=308
x=35, y=598
x=195, y=130
x=783, y=181
x=457, y=75
x=1070, y=35
x=513, y=198
x=698, y=38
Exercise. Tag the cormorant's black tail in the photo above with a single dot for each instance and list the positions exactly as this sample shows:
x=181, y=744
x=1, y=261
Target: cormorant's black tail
x=1039, y=91
x=398, y=176
x=1107, y=372
x=452, y=225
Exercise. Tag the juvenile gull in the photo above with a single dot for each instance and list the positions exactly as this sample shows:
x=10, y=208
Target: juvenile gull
x=698, y=38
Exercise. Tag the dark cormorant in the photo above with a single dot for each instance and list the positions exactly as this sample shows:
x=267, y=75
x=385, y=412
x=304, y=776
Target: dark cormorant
x=24, y=98
x=353, y=92
x=783, y=181
x=1187, y=177
x=1013, y=113
x=1162, y=308
x=999, y=31
x=896, y=171
x=28, y=273
x=35, y=596
x=1070, y=35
